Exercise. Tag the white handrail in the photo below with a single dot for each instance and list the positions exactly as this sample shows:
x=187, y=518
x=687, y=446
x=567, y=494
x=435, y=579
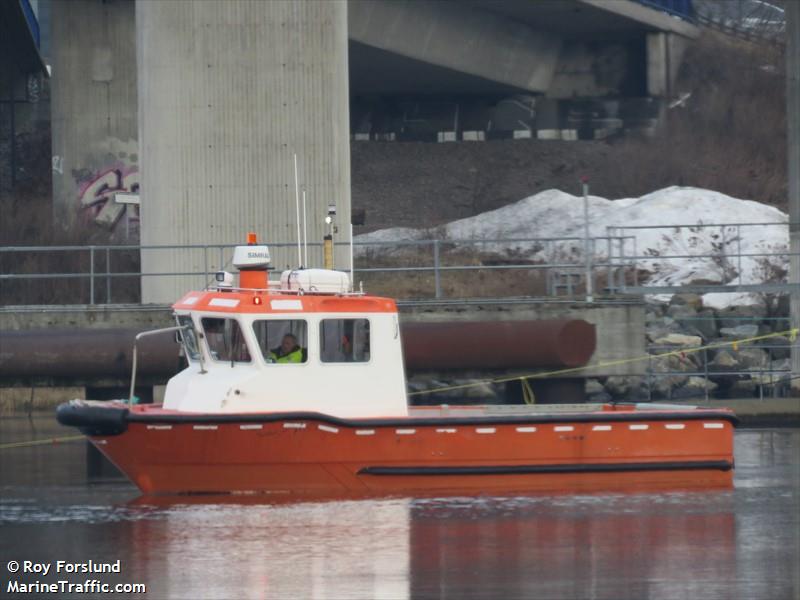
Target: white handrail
x=135, y=353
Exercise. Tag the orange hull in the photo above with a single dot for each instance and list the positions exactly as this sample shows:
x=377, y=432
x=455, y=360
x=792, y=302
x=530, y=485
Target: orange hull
x=168, y=453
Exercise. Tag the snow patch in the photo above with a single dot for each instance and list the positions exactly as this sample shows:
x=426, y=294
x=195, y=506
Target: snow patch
x=556, y=214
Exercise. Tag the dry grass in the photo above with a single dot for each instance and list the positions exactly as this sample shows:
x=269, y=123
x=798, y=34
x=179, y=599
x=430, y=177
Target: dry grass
x=730, y=136
x=28, y=222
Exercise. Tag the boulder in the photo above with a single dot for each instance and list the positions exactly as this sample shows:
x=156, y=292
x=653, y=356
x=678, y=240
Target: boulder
x=753, y=358
x=778, y=347
x=593, y=386
x=695, y=387
x=783, y=364
x=724, y=360
x=740, y=331
x=745, y=388
x=621, y=387
x=701, y=383
x=705, y=323
x=679, y=339
x=690, y=321
x=654, y=310
x=694, y=301
x=658, y=331
x=733, y=316
x=602, y=397
x=663, y=386
x=681, y=311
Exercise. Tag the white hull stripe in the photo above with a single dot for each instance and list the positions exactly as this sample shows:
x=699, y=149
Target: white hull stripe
x=601, y=428
x=485, y=430
x=255, y=426
x=713, y=425
x=326, y=428
x=159, y=427
x=563, y=428
x=405, y=431
x=365, y=432
x=675, y=425
x=297, y=426
x=205, y=427
x=101, y=442
x=639, y=427
x=526, y=429
x=446, y=430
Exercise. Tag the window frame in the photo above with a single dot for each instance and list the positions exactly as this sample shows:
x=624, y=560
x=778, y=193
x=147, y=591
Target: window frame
x=195, y=334
x=243, y=340
x=321, y=338
x=264, y=358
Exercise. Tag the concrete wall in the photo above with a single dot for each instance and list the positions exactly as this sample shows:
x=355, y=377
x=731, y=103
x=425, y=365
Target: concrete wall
x=228, y=92
x=94, y=121
x=598, y=69
x=664, y=55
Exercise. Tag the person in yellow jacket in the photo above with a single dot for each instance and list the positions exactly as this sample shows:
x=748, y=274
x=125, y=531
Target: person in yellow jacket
x=288, y=352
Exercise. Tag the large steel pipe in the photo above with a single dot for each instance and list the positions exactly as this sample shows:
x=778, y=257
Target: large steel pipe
x=84, y=353
x=498, y=344
x=437, y=345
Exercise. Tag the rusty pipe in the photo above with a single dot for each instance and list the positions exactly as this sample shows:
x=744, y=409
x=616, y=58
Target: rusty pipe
x=498, y=344
x=426, y=345
x=85, y=353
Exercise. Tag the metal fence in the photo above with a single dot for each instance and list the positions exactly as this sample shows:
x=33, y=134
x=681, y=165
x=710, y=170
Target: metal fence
x=727, y=254
x=99, y=266
x=571, y=267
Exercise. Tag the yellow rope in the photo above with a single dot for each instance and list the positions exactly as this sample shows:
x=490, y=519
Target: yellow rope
x=57, y=440
x=527, y=393
x=791, y=333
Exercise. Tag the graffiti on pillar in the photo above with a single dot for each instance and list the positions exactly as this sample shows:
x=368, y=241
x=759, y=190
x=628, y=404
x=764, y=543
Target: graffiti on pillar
x=98, y=196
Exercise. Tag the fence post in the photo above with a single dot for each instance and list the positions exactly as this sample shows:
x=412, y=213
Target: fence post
x=91, y=275
x=108, y=275
x=587, y=245
x=436, y=276
x=739, y=239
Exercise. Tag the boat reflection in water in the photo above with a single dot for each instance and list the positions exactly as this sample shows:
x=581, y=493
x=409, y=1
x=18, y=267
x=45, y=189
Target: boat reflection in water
x=622, y=545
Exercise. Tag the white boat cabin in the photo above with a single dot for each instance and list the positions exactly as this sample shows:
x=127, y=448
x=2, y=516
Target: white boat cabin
x=304, y=344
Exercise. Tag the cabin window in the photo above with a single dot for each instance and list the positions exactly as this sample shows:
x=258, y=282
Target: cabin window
x=282, y=341
x=344, y=340
x=225, y=340
x=189, y=337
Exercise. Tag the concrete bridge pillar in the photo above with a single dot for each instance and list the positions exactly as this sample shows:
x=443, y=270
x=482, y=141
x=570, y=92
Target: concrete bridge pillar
x=93, y=103
x=228, y=92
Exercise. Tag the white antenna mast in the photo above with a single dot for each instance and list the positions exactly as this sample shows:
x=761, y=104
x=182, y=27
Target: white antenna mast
x=305, y=232
x=297, y=205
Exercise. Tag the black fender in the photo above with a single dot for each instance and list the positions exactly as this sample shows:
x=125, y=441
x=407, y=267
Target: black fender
x=94, y=417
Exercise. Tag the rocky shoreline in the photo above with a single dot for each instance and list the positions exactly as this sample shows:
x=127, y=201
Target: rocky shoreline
x=709, y=352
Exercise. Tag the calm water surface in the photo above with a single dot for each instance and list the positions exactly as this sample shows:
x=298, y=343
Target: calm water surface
x=740, y=543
